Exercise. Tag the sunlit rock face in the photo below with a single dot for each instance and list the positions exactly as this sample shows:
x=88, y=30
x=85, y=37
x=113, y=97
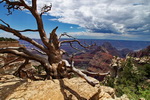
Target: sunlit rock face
x=12, y=88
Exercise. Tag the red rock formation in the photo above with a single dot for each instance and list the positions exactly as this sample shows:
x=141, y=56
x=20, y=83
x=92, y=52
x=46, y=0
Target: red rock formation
x=100, y=62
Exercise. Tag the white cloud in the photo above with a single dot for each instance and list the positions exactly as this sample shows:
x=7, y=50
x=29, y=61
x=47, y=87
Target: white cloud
x=71, y=27
x=103, y=16
x=7, y=35
x=108, y=36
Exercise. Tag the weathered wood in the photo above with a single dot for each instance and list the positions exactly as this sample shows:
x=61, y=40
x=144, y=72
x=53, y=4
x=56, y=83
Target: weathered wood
x=52, y=61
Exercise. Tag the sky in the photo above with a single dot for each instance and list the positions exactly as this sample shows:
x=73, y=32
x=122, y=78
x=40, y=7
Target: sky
x=87, y=19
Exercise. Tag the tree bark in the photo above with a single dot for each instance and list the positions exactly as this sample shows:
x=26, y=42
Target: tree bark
x=52, y=62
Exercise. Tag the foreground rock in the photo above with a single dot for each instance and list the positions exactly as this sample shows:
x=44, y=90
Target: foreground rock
x=12, y=88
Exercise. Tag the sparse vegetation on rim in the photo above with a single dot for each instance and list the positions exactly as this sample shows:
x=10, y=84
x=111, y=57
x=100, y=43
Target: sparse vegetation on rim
x=7, y=39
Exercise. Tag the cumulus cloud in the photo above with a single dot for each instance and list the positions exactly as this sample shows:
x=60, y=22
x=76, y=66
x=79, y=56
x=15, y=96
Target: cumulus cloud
x=7, y=35
x=30, y=34
x=103, y=16
x=109, y=36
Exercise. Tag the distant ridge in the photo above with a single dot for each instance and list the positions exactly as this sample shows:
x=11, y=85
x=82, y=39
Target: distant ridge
x=141, y=53
x=118, y=44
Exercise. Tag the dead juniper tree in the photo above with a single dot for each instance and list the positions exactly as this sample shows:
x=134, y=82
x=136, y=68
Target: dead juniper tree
x=54, y=65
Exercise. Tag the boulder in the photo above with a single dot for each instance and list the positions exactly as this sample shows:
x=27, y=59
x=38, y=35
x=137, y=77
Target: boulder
x=13, y=88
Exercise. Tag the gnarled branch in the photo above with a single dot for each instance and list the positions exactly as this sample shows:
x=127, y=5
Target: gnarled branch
x=53, y=39
x=43, y=53
x=14, y=5
x=70, y=41
x=8, y=63
x=95, y=74
x=78, y=72
x=25, y=5
x=17, y=4
x=65, y=34
x=23, y=52
x=26, y=30
x=81, y=74
x=5, y=23
x=34, y=4
x=74, y=47
x=45, y=9
x=18, y=34
x=20, y=68
x=14, y=50
x=12, y=63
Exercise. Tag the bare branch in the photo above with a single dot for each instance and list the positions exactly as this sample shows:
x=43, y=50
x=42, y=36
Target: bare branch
x=18, y=4
x=22, y=66
x=22, y=52
x=18, y=34
x=21, y=3
x=95, y=74
x=19, y=51
x=13, y=5
x=54, y=38
x=45, y=9
x=70, y=41
x=25, y=5
x=1, y=1
x=74, y=47
x=92, y=44
x=52, y=63
x=8, y=63
x=26, y=30
x=65, y=34
x=77, y=71
x=34, y=4
x=13, y=63
x=43, y=53
x=5, y=23
x=40, y=26
x=14, y=50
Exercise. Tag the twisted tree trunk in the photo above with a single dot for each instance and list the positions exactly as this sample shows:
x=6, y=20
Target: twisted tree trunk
x=53, y=64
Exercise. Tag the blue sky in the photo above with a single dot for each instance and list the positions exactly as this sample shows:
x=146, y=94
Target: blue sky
x=96, y=19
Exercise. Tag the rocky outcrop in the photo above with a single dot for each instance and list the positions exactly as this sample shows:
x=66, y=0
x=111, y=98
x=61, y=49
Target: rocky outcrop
x=141, y=53
x=9, y=44
x=141, y=56
x=12, y=88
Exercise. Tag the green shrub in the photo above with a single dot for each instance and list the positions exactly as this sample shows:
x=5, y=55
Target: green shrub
x=132, y=80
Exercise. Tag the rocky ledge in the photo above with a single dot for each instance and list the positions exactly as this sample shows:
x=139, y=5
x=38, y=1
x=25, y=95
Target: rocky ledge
x=13, y=88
